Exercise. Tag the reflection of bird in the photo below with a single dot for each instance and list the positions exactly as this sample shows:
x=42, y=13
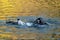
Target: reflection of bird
x=29, y=24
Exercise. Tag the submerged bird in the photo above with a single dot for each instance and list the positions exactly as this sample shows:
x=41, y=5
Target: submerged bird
x=11, y=22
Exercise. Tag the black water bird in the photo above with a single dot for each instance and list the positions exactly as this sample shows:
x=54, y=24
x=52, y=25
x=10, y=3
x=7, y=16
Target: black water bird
x=40, y=21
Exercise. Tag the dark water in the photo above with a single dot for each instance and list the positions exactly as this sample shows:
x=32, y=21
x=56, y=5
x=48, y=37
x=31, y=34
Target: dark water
x=54, y=24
